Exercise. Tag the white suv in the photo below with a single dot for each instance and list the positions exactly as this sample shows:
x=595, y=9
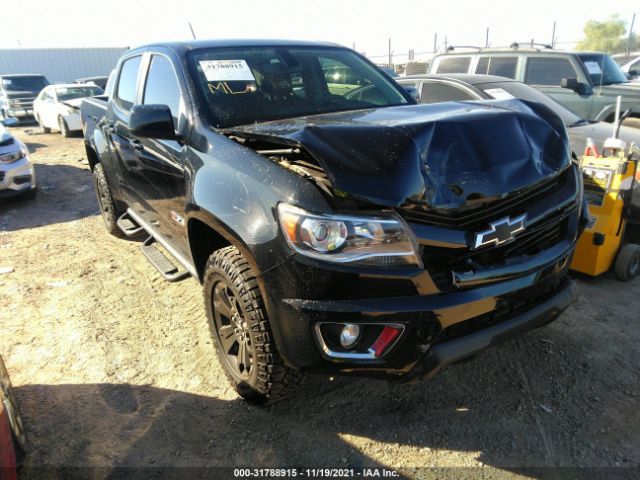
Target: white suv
x=17, y=175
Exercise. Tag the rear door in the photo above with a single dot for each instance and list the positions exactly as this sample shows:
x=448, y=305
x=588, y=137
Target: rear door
x=126, y=165
x=545, y=72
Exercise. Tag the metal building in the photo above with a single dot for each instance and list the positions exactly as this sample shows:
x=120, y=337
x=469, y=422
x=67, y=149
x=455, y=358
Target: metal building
x=60, y=65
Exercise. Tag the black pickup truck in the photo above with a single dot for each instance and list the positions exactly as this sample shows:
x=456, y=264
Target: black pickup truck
x=336, y=226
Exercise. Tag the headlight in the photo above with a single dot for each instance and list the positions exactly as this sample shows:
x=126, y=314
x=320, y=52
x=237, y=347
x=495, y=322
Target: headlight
x=376, y=240
x=13, y=156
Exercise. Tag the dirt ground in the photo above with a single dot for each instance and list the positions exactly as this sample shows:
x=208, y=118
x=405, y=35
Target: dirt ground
x=113, y=367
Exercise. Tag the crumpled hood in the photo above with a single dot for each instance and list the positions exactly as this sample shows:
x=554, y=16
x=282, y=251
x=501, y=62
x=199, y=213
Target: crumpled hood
x=75, y=103
x=440, y=155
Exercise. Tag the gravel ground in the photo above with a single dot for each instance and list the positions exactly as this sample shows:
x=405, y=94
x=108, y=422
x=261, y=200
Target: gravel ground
x=113, y=367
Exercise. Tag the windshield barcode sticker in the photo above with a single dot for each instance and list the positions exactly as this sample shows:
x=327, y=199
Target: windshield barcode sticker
x=593, y=68
x=227, y=70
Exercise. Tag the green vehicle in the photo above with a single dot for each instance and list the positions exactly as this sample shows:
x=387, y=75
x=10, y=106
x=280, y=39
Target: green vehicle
x=587, y=83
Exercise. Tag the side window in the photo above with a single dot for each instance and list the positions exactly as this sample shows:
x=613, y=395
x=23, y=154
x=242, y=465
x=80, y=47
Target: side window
x=454, y=65
x=127, y=82
x=501, y=66
x=162, y=86
x=340, y=78
x=435, y=92
x=548, y=71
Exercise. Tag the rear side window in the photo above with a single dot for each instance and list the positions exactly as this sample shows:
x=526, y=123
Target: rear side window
x=501, y=66
x=548, y=71
x=162, y=86
x=128, y=81
x=435, y=92
x=454, y=65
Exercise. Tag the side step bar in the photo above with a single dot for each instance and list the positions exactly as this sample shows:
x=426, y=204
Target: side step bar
x=164, y=265
x=128, y=226
x=167, y=269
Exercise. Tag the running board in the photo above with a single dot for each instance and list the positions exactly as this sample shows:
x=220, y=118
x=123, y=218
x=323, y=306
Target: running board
x=128, y=225
x=166, y=268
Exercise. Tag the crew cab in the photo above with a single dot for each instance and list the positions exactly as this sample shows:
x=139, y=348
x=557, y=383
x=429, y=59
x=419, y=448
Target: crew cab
x=335, y=225
x=587, y=83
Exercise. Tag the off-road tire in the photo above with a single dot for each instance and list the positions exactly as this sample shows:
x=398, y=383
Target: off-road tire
x=627, y=263
x=44, y=129
x=108, y=207
x=64, y=128
x=269, y=380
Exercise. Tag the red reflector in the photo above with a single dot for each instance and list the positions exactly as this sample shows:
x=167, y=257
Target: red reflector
x=386, y=338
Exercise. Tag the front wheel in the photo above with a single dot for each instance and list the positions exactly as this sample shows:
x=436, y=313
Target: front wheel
x=44, y=129
x=64, y=128
x=242, y=331
x=627, y=263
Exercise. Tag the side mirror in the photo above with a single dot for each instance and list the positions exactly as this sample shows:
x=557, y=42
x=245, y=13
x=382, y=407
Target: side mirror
x=9, y=122
x=573, y=84
x=633, y=73
x=152, y=121
x=413, y=91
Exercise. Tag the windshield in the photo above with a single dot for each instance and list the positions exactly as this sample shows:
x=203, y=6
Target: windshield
x=69, y=93
x=530, y=94
x=24, y=84
x=246, y=85
x=602, y=69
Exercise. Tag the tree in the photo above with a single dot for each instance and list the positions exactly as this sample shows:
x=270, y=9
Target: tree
x=606, y=36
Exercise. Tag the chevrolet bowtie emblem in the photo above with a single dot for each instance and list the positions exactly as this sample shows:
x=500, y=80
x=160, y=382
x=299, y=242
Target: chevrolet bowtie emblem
x=501, y=231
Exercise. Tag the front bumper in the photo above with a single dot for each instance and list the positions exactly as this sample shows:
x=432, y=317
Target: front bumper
x=438, y=328
x=20, y=113
x=74, y=122
x=455, y=350
x=17, y=178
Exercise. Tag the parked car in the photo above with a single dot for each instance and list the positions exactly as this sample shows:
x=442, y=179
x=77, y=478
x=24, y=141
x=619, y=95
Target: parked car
x=97, y=81
x=331, y=234
x=632, y=69
x=57, y=107
x=461, y=87
x=12, y=436
x=17, y=93
x=17, y=176
x=587, y=83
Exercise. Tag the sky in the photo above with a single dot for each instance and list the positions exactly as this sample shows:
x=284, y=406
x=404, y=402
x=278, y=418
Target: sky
x=410, y=24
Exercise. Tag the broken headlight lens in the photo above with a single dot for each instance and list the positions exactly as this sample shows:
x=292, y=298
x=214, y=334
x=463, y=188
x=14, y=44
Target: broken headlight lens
x=13, y=156
x=365, y=240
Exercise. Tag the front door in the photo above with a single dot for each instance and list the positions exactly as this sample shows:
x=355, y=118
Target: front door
x=161, y=178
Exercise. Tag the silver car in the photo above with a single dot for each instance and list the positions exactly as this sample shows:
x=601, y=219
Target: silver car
x=17, y=175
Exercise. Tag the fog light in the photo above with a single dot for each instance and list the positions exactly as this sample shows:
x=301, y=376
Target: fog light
x=349, y=335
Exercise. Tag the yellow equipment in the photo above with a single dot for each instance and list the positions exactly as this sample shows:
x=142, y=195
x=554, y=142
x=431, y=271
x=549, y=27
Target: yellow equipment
x=608, y=186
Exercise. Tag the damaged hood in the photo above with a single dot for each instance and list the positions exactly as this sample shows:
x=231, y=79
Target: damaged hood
x=443, y=156
x=74, y=103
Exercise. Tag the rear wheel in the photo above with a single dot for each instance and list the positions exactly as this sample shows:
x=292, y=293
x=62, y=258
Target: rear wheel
x=44, y=129
x=13, y=412
x=627, y=263
x=64, y=128
x=242, y=331
x=108, y=207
